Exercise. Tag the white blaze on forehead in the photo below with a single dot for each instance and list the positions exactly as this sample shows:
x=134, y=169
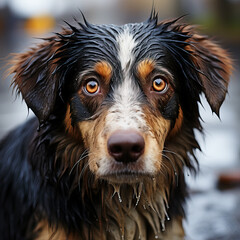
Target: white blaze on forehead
x=126, y=44
x=127, y=92
x=126, y=111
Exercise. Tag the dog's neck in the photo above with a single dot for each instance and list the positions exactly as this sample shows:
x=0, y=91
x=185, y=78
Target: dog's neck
x=132, y=212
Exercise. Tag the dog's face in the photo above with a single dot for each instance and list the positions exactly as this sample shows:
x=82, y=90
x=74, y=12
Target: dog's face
x=128, y=93
x=129, y=89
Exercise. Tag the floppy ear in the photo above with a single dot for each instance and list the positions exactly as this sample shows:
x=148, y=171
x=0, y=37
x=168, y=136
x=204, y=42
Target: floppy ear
x=214, y=67
x=35, y=78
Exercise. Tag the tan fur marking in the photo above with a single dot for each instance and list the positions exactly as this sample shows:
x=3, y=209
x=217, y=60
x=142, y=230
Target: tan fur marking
x=175, y=231
x=104, y=69
x=145, y=67
x=178, y=124
x=97, y=146
x=157, y=133
x=206, y=55
x=68, y=124
x=219, y=52
x=45, y=232
x=67, y=120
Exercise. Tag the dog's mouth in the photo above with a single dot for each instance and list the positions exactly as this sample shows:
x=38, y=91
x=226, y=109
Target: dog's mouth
x=126, y=176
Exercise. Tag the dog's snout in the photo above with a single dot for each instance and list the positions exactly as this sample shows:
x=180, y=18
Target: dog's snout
x=126, y=146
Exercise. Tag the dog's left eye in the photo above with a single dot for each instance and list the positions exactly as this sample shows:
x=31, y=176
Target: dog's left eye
x=91, y=87
x=159, y=85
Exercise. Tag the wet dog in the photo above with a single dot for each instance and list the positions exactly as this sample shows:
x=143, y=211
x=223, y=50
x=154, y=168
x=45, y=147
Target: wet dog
x=116, y=109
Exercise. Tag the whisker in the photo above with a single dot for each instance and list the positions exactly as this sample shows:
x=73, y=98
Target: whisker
x=176, y=154
x=86, y=165
x=83, y=155
x=174, y=169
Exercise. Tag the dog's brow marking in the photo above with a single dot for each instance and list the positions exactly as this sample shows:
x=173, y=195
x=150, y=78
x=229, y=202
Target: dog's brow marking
x=104, y=69
x=145, y=67
x=126, y=44
x=126, y=95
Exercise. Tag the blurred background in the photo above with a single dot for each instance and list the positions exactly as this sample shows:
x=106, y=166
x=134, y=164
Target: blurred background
x=213, y=211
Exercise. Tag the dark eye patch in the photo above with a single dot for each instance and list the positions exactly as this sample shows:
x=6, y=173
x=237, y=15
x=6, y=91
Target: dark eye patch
x=92, y=88
x=78, y=111
x=157, y=83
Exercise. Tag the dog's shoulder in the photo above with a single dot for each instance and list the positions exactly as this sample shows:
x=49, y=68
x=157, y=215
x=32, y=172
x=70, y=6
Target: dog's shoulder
x=14, y=167
x=15, y=144
x=16, y=179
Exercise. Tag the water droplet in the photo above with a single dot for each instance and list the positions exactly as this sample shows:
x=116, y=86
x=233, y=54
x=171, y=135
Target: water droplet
x=137, y=201
x=138, y=193
x=117, y=191
x=122, y=232
x=166, y=214
x=119, y=197
x=163, y=226
x=154, y=183
x=176, y=177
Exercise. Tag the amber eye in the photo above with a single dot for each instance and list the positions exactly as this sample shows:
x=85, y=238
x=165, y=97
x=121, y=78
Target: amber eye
x=159, y=85
x=92, y=87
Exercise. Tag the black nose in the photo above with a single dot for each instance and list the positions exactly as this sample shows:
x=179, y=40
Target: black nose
x=126, y=146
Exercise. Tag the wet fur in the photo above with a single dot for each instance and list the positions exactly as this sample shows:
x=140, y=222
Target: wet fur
x=48, y=189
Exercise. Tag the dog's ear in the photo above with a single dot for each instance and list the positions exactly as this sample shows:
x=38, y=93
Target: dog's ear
x=35, y=78
x=214, y=66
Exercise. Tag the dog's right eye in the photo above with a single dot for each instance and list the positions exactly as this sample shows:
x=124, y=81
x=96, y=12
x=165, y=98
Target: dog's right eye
x=92, y=86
